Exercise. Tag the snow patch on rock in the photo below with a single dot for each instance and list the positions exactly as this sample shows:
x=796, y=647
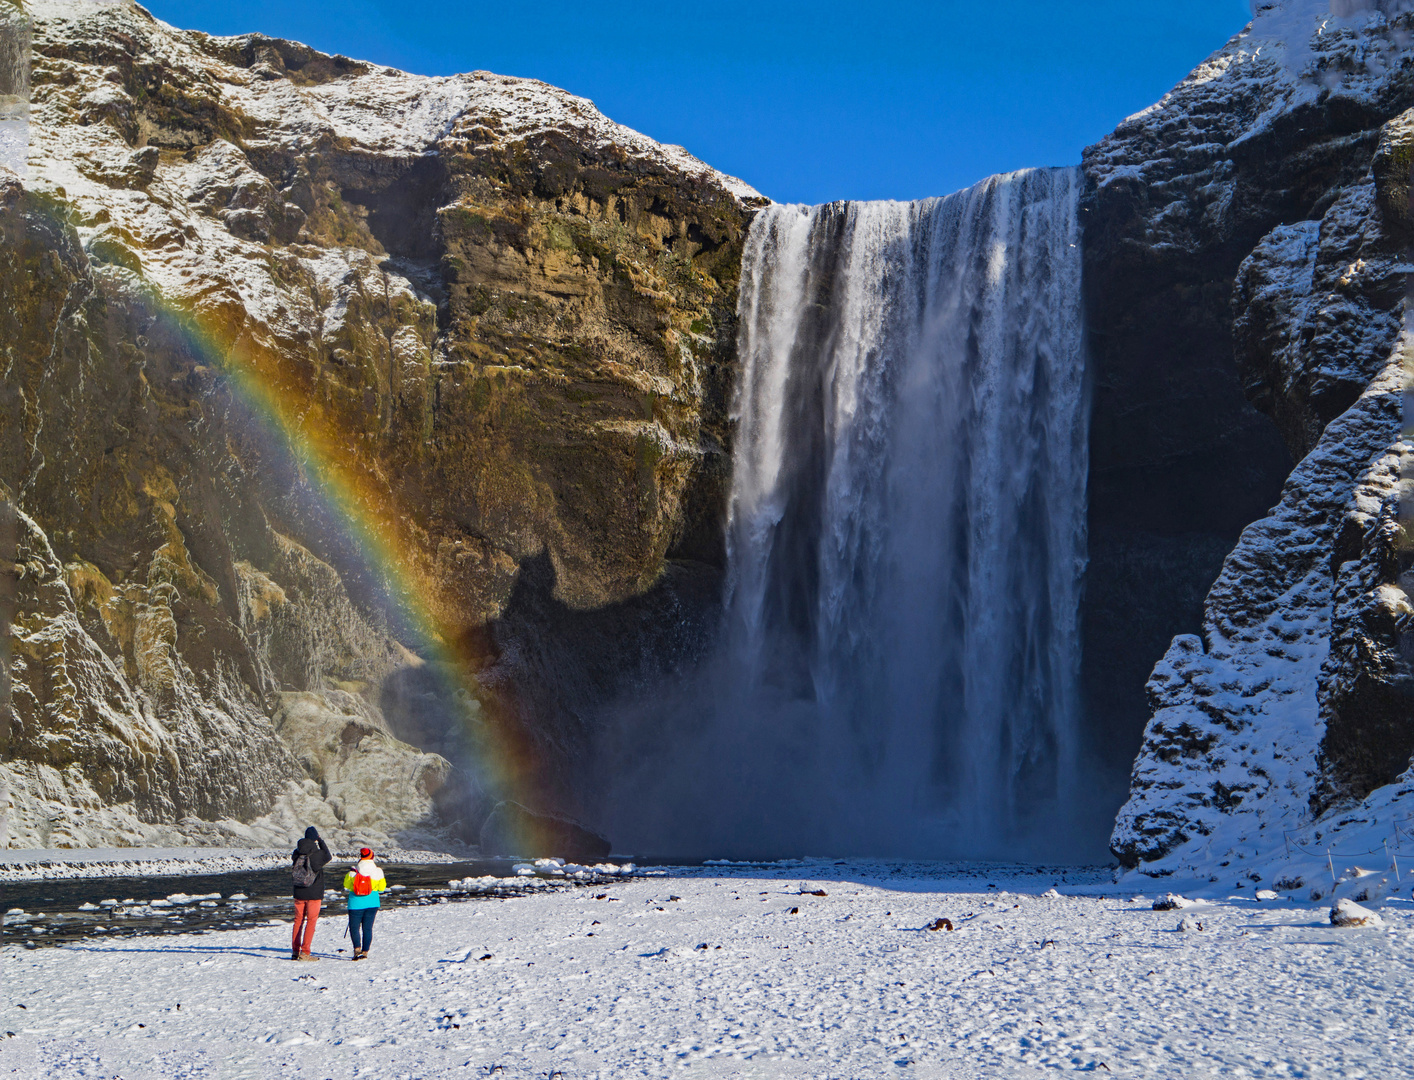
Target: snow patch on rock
x=1349, y=913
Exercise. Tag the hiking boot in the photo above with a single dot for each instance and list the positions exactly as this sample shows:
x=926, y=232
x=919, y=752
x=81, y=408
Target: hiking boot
x=294, y=954
x=360, y=954
x=307, y=956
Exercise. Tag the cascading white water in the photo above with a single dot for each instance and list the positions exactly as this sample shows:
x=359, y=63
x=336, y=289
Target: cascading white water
x=906, y=535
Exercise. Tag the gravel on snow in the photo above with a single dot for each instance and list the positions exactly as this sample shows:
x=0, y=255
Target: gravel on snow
x=739, y=972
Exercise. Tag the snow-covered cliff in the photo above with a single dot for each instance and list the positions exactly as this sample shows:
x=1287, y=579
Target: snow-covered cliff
x=1282, y=165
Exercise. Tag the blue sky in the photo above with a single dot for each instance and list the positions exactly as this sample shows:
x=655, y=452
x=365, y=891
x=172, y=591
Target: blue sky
x=808, y=101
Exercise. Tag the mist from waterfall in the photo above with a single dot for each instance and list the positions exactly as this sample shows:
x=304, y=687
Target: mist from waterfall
x=899, y=661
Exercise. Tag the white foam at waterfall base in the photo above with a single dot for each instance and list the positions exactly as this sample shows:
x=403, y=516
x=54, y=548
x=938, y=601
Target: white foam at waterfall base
x=899, y=660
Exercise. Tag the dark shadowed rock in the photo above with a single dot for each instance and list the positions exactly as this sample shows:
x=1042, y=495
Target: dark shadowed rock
x=512, y=829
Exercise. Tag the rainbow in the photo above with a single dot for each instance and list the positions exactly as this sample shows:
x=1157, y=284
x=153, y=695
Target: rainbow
x=359, y=501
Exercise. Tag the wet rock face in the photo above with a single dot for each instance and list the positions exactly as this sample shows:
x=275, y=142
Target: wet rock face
x=145, y=661
x=1294, y=698
x=1241, y=244
x=502, y=323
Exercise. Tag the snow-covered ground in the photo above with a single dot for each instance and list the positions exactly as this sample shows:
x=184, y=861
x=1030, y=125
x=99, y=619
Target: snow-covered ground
x=743, y=971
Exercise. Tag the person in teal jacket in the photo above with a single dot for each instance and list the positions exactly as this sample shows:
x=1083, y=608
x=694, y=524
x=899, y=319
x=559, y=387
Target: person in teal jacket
x=363, y=884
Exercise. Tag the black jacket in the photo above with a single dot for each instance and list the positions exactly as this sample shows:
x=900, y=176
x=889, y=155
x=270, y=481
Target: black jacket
x=319, y=856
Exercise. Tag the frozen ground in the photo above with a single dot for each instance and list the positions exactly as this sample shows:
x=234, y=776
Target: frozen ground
x=740, y=971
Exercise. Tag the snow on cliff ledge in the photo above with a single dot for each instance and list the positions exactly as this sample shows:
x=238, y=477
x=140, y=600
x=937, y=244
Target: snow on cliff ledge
x=377, y=108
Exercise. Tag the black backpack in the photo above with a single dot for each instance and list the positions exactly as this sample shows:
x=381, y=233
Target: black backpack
x=305, y=874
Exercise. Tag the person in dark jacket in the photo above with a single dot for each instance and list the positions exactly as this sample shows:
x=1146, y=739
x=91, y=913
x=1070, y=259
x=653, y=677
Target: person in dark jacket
x=311, y=856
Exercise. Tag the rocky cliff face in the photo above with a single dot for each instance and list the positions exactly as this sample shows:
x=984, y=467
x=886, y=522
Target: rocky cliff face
x=304, y=361
x=1279, y=173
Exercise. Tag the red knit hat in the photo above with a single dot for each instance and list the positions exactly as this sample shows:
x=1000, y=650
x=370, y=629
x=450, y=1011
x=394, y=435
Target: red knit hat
x=365, y=853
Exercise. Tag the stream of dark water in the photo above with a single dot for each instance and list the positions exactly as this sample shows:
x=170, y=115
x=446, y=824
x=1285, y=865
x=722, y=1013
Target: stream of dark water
x=61, y=910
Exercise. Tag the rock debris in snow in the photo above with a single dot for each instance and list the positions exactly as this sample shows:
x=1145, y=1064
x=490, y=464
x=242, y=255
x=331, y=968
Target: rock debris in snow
x=1172, y=902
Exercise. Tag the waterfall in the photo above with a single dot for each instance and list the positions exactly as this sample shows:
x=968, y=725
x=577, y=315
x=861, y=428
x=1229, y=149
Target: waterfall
x=906, y=537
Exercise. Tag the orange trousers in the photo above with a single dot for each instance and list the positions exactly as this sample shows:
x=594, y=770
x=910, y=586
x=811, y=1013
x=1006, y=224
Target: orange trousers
x=306, y=914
